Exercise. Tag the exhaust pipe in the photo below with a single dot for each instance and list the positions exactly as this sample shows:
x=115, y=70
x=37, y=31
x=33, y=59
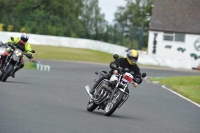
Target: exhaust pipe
x=87, y=88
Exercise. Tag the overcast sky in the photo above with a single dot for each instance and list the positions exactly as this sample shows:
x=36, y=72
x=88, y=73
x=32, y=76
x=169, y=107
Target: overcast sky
x=109, y=7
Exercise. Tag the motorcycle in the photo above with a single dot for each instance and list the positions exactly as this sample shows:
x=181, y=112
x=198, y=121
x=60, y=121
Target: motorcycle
x=12, y=62
x=111, y=94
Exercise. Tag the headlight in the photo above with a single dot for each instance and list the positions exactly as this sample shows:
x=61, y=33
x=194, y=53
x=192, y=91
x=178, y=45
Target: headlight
x=18, y=53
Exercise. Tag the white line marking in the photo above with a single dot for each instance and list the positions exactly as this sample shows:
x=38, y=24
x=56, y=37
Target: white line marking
x=163, y=86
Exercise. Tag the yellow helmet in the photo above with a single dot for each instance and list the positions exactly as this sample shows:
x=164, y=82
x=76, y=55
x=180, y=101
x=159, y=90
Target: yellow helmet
x=132, y=56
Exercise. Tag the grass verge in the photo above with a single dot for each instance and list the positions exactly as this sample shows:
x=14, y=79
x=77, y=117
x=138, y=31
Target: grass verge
x=72, y=54
x=188, y=86
x=29, y=65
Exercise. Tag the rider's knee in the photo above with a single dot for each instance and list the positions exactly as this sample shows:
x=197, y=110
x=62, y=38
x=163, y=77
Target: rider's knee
x=22, y=65
x=3, y=56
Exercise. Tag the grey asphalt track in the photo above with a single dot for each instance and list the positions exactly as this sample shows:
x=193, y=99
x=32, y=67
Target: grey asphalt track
x=55, y=102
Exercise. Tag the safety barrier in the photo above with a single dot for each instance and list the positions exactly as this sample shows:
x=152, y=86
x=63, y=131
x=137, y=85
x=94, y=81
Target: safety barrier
x=104, y=47
x=42, y=67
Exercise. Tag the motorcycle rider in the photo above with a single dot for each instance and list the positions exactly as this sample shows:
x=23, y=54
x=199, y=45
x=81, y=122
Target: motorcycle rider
x=22, y=44
x=3, y=44
x=128, y=62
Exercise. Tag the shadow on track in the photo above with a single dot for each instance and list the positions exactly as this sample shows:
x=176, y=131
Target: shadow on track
x=116, y=116
x=16, y=82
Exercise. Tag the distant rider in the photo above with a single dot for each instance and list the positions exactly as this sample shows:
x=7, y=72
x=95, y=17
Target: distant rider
x=128, y=62
x=3, y=44
x=22, y=44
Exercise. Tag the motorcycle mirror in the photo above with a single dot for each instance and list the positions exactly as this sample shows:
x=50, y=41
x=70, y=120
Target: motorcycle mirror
x=115, y=56
x=144, y=75
x=96, y=73
x=126, y=70
x=10, y=44
x=113, y=65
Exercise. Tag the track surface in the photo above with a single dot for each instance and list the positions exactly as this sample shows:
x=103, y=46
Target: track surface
x=55, y=102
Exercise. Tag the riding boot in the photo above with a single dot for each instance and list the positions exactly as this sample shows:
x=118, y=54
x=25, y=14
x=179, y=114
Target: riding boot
x=93, y=88
x=95, y=85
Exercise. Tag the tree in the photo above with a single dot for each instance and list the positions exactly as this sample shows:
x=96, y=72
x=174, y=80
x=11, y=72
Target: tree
x=76, y=18
x=134, y=16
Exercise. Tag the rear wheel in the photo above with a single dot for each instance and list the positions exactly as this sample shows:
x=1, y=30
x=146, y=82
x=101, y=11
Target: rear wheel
x=112, y=105
x=91, y=106
x=7, y=73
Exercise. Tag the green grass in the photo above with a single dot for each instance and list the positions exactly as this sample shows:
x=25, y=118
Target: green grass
x=188, y=86
x=29, y=65
x=72, y=54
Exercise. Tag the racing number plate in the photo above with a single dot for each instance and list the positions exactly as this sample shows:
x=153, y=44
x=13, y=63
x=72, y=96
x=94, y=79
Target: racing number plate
x=127, y=77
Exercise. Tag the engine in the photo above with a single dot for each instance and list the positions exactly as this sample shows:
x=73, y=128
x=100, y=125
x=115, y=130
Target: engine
x=102, y=91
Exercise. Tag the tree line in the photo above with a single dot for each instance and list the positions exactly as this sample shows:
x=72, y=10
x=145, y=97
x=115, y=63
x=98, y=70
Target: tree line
x=78, y=19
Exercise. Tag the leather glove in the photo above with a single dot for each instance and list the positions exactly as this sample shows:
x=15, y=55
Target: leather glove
x=138, y=80
x=29, y=56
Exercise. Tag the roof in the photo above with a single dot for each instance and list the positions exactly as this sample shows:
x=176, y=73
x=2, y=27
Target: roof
x=176, y=16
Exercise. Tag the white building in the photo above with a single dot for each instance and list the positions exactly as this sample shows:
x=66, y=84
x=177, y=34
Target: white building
x=174, y=35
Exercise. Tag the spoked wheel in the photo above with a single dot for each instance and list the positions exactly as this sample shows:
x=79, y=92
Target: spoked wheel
x=91, y=106
x=112, y=105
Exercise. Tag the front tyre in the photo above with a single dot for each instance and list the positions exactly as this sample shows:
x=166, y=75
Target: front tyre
x=91, y=106
x=112, y=105
x=7, y=73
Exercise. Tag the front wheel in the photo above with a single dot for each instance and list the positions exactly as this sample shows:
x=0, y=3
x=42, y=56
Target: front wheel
x=91, y=106
x=7, y=73
x=112, y=105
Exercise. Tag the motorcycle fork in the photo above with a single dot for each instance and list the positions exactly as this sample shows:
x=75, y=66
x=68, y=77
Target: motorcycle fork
x=16, y=66
x=119, y=79
x=124, y=100
x=114, y=91
x=7, y=62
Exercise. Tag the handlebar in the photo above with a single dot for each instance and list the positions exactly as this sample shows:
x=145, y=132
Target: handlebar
x=119, y=69
x=24, y=53
x=12, y=46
